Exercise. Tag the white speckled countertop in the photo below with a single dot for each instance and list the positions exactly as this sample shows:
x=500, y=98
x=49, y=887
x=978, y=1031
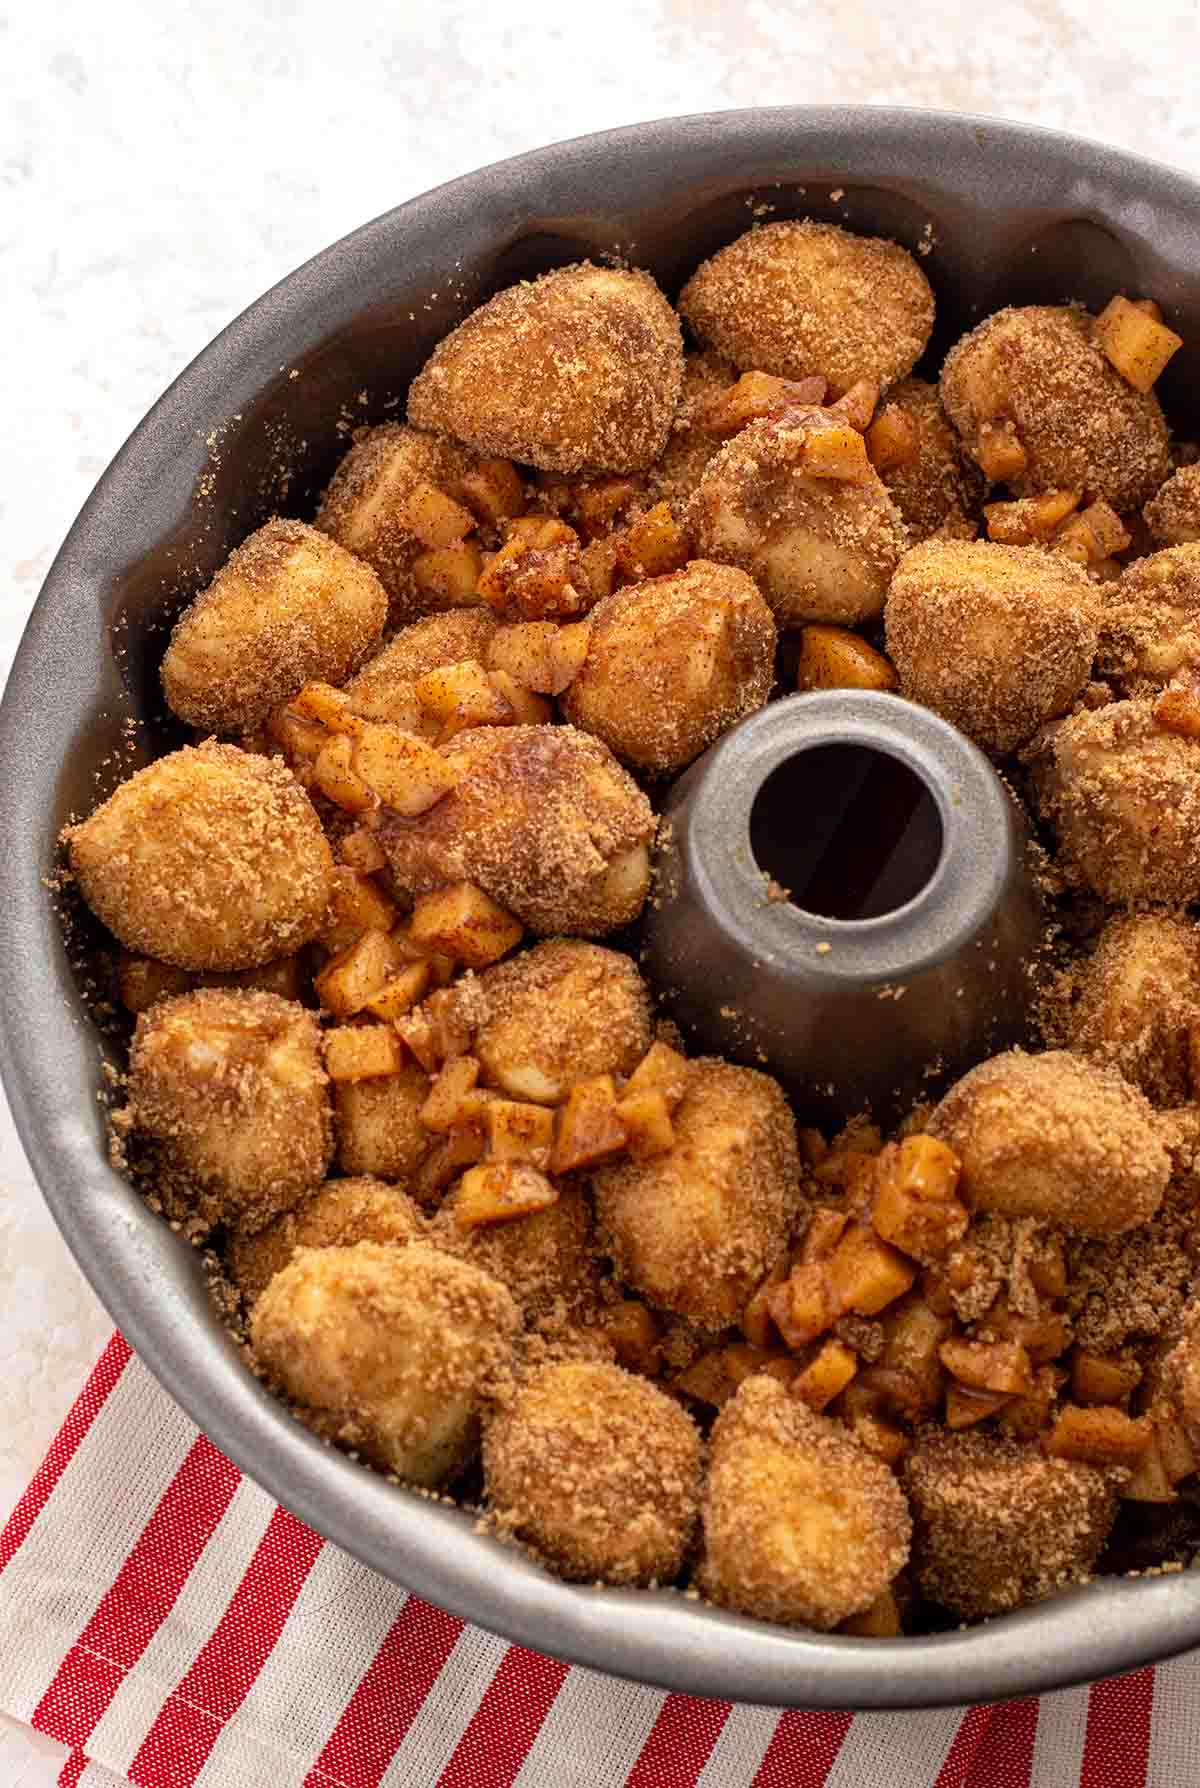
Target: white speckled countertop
x=160, y=167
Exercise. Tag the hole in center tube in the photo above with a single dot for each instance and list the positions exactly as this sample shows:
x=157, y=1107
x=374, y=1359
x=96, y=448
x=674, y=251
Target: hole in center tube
x=850, y=832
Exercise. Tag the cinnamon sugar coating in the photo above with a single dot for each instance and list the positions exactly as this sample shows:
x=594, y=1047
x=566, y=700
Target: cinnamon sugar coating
x=338, y=1214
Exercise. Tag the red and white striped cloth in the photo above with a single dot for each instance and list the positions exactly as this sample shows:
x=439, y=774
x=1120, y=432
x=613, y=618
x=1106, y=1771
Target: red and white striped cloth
x=174, y=1627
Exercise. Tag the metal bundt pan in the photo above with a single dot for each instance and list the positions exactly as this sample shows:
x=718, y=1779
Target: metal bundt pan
x=1015, y=215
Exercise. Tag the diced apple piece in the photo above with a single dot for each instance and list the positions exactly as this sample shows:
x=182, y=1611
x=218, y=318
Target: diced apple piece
x=449, y=574
x=357, y=973
x=756, y=1323
x=826, y=1375
x=405, y=772
x=835, y=658
x=541, y=531
x=322, y=703
x=141, y=981
x=498, y=1191
x=915, y=1207
x=758, y=394
x=1099, y=1436
x=1148, y=1482
x=1000, y=454
x=661, y=1070
x=707, y=1379
x=858, y=404
x=300, y=740
x=880, y=1621
x=589, y=1127
x=359, y=850
x=965, y=1407
x=401, y=993
x=523, y=650
x=1048, y=1268
x=464, y=923
x=1108, y=530
x=494, y=491
x=1102, y=1378
x=884, y=1439
x=1030, y=519
x=838, y=452
x=913, y=1336
x=1177, y=710
x=598, y=502
x=867, y=1274
x=654, y=544
x=362, y=1051
x=1175, y=1449
x=357, y=904
x=452, y=1098
x=525, y=708
x=598, y=565
x=647, y=1122
x=1024, y=1418
x=519, y=1132
x=335, y=775
x=435, y=518
x=455, y=697
x=462, y=1147
x=802, y=1307
x=633, y=1331
x=893, y=439
x=1044, y=1337
x=1136, y=344
x=1000, y=1366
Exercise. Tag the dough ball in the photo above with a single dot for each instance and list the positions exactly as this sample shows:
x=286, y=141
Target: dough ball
x=378, y=1124
x=211, y=858
x=364, y=507
x=383, y=687
x=581, y=368
x=1083, y=427
x=597, y=1471
x=696, y=1229
x=996, y=639
x=820, y=549
x=544, y=820
x=390, y=1350
x=229, y=1092
x=674, y=663
x=796, y=299
x=289, y=607
x=1173, y=513
x=1135, y=998
x=338, y=1214
x=564, y=1011
x=1055, y=1137
x=1150, y=623
x=801, y=1523
x=997, y=1525
x=941, y=490
x=1124, y=798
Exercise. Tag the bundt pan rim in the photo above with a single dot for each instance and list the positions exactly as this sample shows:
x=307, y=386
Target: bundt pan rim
x=248, y=427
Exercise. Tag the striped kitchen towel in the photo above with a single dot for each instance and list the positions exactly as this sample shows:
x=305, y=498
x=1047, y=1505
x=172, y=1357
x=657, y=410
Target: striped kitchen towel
x=160, y=1615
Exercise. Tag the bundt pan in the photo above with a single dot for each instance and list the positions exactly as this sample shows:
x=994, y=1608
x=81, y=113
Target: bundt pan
x=1014, y=215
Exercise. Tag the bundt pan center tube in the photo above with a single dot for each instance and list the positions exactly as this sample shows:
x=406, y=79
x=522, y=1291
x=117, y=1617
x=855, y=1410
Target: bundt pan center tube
x=1012, y=215
x=845, y=896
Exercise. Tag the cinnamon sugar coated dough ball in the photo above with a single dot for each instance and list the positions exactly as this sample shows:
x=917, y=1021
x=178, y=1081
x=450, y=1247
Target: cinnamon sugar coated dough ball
x=543, y=1258
x=1055, y=1137
x=690, y=445
x=996, y=639
x=597, y=1471
x=695, y=1230
x=544, y=820
x=1083, y=426
x=1135, y=998
x=338, y=1214
x=801, y=298
x=210, y=858
x=378, y=1124
x=1173, y=513
x=392, y=1350
x=820, y=549
x=801, y=1523
x=364, y=506
x=941, y=489
x=580, y=369
x=1123, y=797
x=1150, y=622
x=289, y=607
x=564, y=1011
x=229, y=1093
x=997, y=1525
x=425, y=645
x=672, y=664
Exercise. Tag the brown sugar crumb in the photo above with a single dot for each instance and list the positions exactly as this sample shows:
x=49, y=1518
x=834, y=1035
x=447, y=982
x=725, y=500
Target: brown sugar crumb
x=580, y=369
x=997, y=1525
x=1173, y=513
x=796, y=299
x=597, y=1471
x=801, y=1524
